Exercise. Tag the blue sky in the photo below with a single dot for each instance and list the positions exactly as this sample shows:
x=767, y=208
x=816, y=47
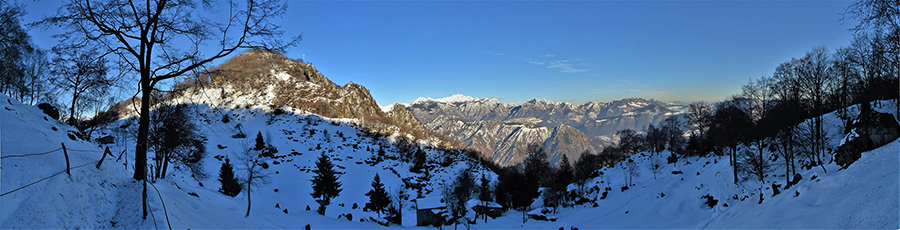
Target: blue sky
x=574, y=51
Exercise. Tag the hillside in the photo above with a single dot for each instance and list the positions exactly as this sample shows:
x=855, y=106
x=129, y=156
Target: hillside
x=267, y=78
x=679, y=195
x=109, y=198
x=865, y=195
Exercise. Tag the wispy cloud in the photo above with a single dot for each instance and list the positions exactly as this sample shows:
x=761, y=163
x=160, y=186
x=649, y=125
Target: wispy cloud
x=550, y=61
x=495, y=53
x=563, y=65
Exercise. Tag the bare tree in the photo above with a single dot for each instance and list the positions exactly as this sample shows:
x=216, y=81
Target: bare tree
x=81, y=71
x=14, y=43
x=816, y=80
x=882, y=18
x=699, y=114
x=248, y=160
x=35, y=79
x=164, y=39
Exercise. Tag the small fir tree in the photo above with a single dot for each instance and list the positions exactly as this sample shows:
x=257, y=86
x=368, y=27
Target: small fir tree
x=378, y=197
x=565, y=173
x=420, y=159
x=260, y=144
x=325, y=183
x=230, y=185
x=484, y=194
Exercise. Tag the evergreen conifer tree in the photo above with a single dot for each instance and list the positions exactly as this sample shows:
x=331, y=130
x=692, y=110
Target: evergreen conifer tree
x=420, y=159
x=484, y=193
x=325, y=183
x=565, y=173
x=230, y=185
x=378, y=197
x=260, y=144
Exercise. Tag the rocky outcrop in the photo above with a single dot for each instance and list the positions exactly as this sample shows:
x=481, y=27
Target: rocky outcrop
x=869, y=131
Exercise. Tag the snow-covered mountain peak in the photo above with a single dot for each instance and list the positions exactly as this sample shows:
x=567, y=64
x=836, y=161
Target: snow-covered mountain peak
x=455, y=98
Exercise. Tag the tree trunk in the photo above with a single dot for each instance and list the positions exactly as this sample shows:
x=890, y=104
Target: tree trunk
x=158, y=165
x=733, y=162
x=523, y=216
x=71, y=120
x=140, y=150
x=165, y=165
x=761, y=174
x=249, y=179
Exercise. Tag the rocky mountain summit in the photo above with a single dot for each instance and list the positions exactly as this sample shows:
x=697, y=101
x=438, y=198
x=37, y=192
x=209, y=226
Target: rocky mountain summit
x=268, y=78
x=501, y=131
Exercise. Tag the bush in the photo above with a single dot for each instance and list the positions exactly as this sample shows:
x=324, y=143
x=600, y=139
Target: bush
x=672, y=159
x=710, y=201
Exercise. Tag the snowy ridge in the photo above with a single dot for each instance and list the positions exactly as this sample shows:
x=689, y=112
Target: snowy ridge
x=455, y=98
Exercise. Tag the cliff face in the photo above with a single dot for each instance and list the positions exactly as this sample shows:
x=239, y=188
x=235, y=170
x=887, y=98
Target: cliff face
x=269, y=79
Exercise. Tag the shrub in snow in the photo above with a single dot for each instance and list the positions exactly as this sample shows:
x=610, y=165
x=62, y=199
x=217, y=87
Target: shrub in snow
x=710, y=201
x=775, y=190
x=672, y=159
x=240, y=133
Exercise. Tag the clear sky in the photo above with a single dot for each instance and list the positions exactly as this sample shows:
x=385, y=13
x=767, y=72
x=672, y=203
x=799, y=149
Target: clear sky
x=574, y=51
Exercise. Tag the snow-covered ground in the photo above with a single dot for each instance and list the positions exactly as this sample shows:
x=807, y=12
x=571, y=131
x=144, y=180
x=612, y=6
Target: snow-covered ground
x=863, y=196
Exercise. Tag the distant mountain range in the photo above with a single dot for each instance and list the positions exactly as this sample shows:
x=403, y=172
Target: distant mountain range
x=502, y=131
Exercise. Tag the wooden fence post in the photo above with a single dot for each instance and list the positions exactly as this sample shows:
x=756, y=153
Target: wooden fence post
x=120, y=155
x=67, y=158
x=103, y=157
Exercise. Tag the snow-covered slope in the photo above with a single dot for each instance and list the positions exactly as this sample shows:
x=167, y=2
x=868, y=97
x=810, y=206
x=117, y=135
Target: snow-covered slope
x=865, y=195
x=109, y=198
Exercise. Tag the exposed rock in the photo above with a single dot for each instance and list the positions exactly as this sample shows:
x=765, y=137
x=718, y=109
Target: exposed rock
x=108, y=139
x=50, y=110
x=871, y=130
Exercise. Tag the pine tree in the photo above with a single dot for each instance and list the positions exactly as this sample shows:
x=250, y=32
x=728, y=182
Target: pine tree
x=230, y=185
x=260, y=144
x=325, y=183
x=420, y=159
x=565, y=173
x=484, y=193
x=378, y=197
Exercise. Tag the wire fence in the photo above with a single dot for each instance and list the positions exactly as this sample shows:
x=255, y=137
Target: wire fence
x=32, y=154
x=67, y=170
x=42, y=179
